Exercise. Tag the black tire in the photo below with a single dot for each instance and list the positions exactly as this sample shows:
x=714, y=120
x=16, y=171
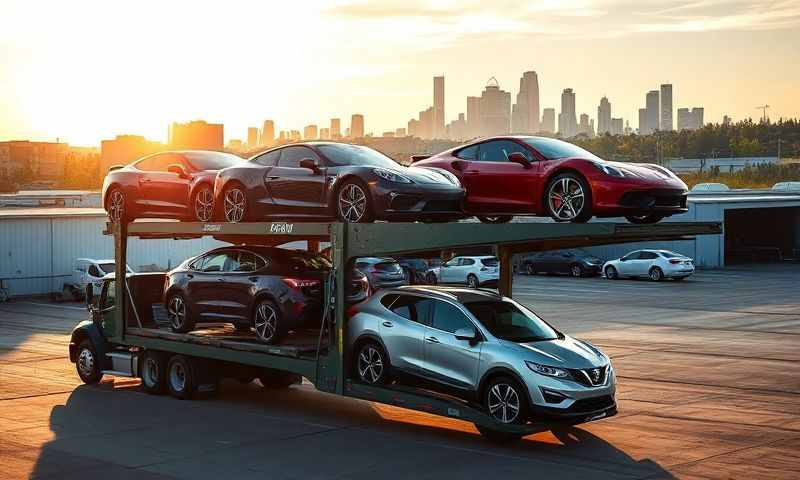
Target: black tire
x=529, y=269
x=267, y=322
x=576, y=270
x=117, y=206
x=504, y=405
x=581, y=211
x=656, y=274
x=611, y=273
x=498, y=437
x=495, y=219
x=277, y=380
x=153, y=372
x=203, y=204
x=472, y=281
x=88, y=364
x=181, y=377
x=645, y=219
x=371, y=364
x=234, y=208
x=180, y=318
x=353, y=194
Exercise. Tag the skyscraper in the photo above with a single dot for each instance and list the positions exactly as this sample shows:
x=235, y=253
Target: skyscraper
x=616, y=126
x=336, y=128
x=268, y=133
x=586, y=127
x=252, y=137
x=690, y=119
x=473, y=117
x=643, y=121
x=652, y=115
x=357, y=126
x=196, y=135
x=310, y=132
x=525, y=113
x=604, y=117
x=548, y=120
x=324, y=133
x=666, y=107
x=567, y=122
x=495, y=110
x=438, y=107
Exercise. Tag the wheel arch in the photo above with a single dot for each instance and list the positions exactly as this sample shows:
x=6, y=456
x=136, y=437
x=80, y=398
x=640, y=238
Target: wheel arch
x=259, y=296
x=87, y=330
x=501, y=371
x=370, y=337
x=339, y=183
x=556, y=172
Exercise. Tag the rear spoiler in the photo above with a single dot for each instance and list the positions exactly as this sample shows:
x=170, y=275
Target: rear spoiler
x=115, y=167
x=417, y=158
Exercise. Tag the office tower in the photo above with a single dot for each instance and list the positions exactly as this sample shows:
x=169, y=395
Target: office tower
x=604, y=117
x=628, y=130
x=252, y=137
x=652, y=107
x=336, y=128
x=324, y=133
x=567, y=122
x=357, y=126
x=584, y=126
x=616, y=126
x=268, y=133
x=495, y=110
x=426, y=126
x=690, y=119
x=196, y=135
x=457, y=129
x=294, y=135
x=642, y=121
x=549, y=120
x=413, y=128
x=473, y=117
x=400, y=132
x=525, y=113
x=666, y=107
x=438, y=107
x=310, y=132
x=697, y=117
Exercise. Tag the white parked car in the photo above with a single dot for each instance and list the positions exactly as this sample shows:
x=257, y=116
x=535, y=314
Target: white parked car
x=84, y=271
x=653, y=264
x=477, y=271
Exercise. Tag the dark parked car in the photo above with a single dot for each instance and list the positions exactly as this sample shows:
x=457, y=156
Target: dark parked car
x=176, y=184
x=381, y=272
x=414, y=269
x=352, y=183
x=270, y=290
x=575, y=262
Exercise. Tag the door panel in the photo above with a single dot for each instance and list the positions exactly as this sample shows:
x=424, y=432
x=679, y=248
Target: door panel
x=163, y=192
x=495, y=184
x=295, y=190
x=447, y=359
x=403, y=332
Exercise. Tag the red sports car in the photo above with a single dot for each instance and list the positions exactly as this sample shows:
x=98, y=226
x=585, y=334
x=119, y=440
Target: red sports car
x=524, y=175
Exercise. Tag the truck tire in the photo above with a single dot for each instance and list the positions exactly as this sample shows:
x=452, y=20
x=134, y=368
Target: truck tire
x=88, y=364
x=181, y=377
x=153, y=371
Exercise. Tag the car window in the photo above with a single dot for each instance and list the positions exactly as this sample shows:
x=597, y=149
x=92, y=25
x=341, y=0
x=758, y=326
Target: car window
x=202, y=160
x=291, y=156
x=552, y=148
x=452, y=262
x=214, y=262
x=158, y=163
x=243, y=262
x=340, y=154
x=268, y=159
x=416, y=309
x=469, y=153
x=511, y=321
x=94, y=271
x=499, y=150
x=648, y=256
x=448, y=317
x=632, y=256
x=467, y=261
x=670, y=254
x=489, y=262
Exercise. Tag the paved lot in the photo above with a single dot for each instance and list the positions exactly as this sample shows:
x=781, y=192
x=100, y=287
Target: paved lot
x=709, y=388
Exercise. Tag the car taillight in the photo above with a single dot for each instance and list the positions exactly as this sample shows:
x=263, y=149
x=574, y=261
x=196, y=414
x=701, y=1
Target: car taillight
x=675, y=261
x=308, y=287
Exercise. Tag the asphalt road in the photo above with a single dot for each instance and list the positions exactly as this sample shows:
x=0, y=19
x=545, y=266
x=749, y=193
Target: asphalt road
x=708, y=388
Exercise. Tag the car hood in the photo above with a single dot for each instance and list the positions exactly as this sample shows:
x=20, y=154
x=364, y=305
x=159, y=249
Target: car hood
x=567, y=353
x=646, y=171
x=424, y=176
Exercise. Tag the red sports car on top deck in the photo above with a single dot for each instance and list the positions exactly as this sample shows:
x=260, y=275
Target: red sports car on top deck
x=526, y=175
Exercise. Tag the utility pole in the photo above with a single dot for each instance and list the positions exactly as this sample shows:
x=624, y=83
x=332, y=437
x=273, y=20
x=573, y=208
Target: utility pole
x=763, y=109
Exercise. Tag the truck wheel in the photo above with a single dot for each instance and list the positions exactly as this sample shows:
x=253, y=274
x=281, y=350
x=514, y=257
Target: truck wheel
x=273, y=380
x=180, y=320
x=153, y=370
x=181, y=377
x=88, y=364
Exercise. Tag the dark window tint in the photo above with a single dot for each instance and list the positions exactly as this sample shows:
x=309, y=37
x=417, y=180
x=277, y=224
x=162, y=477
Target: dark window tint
x=107, y=267
x=648, y=256
x=489, y=262
x=416, y=309
x=670, y=255
x=499, y=150
x=291, y=156
x=448, y=317
x=211, y=160
x=269, y=159
x=469, y=153
x=94, y=271
x=507, y=321
x=244, y=262
x=467, y=261
x=158, y=163
x=632, y=256
x=308, y=263
x=388, y=300
x=214, y=262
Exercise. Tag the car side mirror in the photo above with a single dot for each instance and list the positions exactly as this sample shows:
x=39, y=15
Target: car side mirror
x=459, y=165
x=623, y=259
x=517, y=157
x=177, y=169
x=467, y=333
x=309, y=164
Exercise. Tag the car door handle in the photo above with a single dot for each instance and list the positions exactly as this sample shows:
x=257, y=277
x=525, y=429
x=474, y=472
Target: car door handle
x=432, y=340
x=220, y=279
x=388, y=324
x=272, y=177
x=189, y=275
x=145, y=180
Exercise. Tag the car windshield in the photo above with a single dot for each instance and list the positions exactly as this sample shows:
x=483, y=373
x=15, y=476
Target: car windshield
x=212, y=160
x=670, y=255
x=308, y=263
x=552, y=149
x=341, y=154
x=110, y=267
x=511, y=321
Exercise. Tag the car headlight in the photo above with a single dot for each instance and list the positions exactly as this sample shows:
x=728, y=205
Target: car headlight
x=545, y=370
x=610, y=170
x=390, y=176
x=449, y=176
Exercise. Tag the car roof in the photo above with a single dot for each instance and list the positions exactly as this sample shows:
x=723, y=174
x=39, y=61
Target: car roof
x=376, y=259
x=460, y=294
x=94, y=260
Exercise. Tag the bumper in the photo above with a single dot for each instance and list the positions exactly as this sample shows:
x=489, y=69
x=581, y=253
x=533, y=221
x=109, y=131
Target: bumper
x=616, y=198
x=575, y=403
x=415, y=202
x=678, y=272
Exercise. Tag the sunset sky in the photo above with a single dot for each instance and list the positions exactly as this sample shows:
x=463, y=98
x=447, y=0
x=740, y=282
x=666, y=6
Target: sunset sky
x=87, y=70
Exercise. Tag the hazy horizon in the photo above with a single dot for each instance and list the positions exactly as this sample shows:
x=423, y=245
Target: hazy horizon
x=87, y=72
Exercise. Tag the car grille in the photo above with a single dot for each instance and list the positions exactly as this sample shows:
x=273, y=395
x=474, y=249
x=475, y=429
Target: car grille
x=442, y=206
x=590, y=377
x=593, y=404
x=404, y=202
x=654, y=199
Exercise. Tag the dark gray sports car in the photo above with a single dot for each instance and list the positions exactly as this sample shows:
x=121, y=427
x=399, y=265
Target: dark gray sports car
x=353, y=183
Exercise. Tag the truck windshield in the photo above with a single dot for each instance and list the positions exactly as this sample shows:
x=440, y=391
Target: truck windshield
x=510, y=321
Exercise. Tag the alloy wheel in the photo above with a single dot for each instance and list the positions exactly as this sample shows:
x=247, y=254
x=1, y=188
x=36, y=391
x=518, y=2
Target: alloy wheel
x=86, y=362
x=611, y=273
x=656, y=274
x=116, y=206
x=566, y=199
x=150, y=372
x=235, y=205
x=176, y=310
x=576, y=271
x=370, y=364
x=177, y=376
x=472, y=282
x=352, y=203
x=530, y=270
x=204, y=205
x=266, y=322
x=504, y=403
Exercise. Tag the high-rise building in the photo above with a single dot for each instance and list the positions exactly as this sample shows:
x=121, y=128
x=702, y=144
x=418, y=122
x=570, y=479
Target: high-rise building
x=666, y=107
x=549, y=120
x=616, y=126
x=124, y=149
x=628, y=130
x=324, y=133
x=473, y=117
x=413, y=128
x=196, y=135
x=525, y=113
x=294, y=136
x=357, y=126
x=438, y=107
x=697, y=117
x=585, y=127
x=400, y=132
x=425, y=129
x=310, y=132
x=336, y=128
x=604, y=117
x=652, y=115
x=643, y=121
x=495, y=110
x=252, y=137
x=690, y=119
x=268, y=133
x=457, y=129
x=567, y=121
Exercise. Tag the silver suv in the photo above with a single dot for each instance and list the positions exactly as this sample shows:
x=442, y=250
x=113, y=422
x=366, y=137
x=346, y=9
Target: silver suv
x=482, y=347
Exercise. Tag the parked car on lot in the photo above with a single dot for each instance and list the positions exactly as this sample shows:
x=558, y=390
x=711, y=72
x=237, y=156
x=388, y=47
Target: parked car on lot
x=482, y=347
x=84, y=271
x=575, y=261
x=352, y=183
x=381, y=272
x=414, y=269
x=473, y=271
x=177, y=184
x=270, y=290
x=523, y=175
x=653, y=264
